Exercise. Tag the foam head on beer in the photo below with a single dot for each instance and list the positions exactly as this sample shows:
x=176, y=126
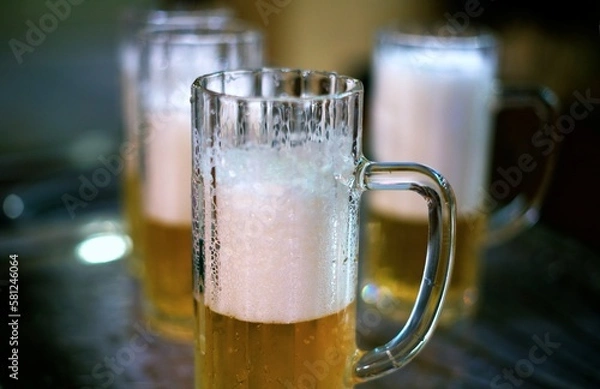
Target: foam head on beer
x=167, y=141
x=432, y=105
x=175, y=57
x=281, y=231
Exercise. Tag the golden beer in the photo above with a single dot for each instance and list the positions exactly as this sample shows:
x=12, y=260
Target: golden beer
x=167, y=225
x=132, y=213
x=315, y=354
x=395, y=258
x=168, y=278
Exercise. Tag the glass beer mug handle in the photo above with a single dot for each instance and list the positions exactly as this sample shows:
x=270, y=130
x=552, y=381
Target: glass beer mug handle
x=523, y=211
x=438, y=263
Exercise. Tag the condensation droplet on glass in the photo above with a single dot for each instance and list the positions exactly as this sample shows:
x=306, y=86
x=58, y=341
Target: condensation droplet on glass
x=308, y=340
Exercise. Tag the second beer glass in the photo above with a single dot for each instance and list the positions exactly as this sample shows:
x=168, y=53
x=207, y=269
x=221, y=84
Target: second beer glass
x=132, y=21
x=433, y=102
x=171, y=58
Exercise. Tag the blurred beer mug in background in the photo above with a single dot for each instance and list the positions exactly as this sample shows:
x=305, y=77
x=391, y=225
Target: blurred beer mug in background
x=132, y=21
x=433, y=102
x=171, y=57
x=277, y=180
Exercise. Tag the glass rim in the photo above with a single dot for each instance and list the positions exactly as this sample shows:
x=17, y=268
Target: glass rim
x=436, y=36
x=153, y=16
x=354, y=85
x=205, y=29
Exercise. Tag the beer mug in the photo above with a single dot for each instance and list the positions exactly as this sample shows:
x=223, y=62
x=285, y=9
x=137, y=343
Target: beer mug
x=171, y=57
x=432, y=102
x=133, y=20
x=277, y=180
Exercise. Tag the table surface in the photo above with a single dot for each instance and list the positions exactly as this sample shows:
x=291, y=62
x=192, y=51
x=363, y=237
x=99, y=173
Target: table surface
x=81, y=327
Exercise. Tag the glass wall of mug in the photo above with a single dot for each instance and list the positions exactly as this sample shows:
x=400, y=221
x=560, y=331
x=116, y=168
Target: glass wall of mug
x=277, y=180
x=171, y=57
x=433, y=101
x=132, y=21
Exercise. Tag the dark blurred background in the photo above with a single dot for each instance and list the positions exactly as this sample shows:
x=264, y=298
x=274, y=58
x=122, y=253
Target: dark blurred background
x=60, y=105
x=59, y=110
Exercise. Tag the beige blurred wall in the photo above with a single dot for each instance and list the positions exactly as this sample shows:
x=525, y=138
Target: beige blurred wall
x=324, y=34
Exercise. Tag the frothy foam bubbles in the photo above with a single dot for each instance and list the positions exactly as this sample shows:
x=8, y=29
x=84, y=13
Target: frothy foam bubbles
x=282, y=228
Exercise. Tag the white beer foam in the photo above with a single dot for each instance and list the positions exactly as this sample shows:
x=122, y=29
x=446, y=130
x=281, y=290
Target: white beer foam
x=168, y=139
x=168, y=164
x=433, y=108
x=171, y=73
x=282, y=228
